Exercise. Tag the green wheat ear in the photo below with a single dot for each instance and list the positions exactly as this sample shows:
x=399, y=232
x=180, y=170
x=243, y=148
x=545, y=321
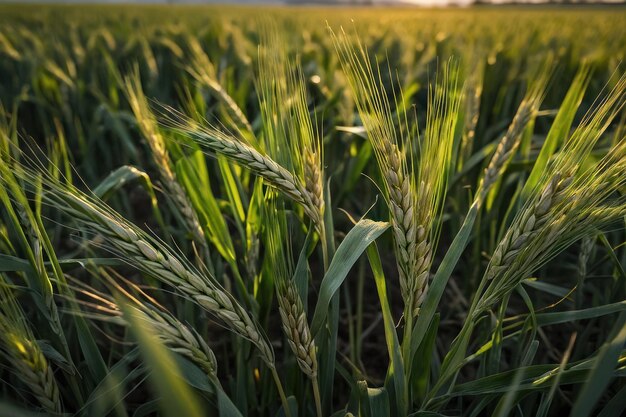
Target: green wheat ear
x=289, y=135
x=294, y=320
x=203, y=71
x=572, y=199
x=414, y=167
x=288, y=155
x=20, y=348
x=174, y=334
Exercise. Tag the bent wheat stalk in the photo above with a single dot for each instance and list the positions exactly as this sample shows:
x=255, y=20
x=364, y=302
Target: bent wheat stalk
x=155, y=258
x=566, y=202
x=529, y=224
x=161, y=262
x=149, y=129
x=260, y=164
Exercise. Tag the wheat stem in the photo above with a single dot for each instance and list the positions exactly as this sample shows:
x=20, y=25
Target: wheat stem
x=505, y=150
x=281, y=391
x=317, y=397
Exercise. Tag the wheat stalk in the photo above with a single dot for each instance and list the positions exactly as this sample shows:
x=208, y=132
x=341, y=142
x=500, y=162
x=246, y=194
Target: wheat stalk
x=506, y=148
x=180, y=339
x=293, y=316
x=290, y=157
x=155, y=258
x=512, y=139
x=313, y=179
x=414, y=184
x=296, y=329
x=172, y=332
x=289, y=135
x=169, y=268
x=568, y=203
x=412, y=247
x=149, y=128
x=474, y=92
x=30, y=234
x=202, y=69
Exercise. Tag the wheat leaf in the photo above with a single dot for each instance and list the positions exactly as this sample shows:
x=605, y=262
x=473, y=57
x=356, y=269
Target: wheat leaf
x=356, y=241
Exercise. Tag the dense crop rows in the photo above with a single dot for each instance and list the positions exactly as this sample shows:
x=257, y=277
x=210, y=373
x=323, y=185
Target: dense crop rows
x=205, y=211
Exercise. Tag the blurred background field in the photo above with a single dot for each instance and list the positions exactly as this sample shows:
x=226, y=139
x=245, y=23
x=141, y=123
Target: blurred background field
x=59, y=64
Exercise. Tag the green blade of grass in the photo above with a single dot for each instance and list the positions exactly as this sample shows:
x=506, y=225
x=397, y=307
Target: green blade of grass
x=560, y=128
x=120, y=177
x=207, y=206
x=615, y=405
x=348, y=252
x=601, y=374
x=547, y=319
x=396, y=365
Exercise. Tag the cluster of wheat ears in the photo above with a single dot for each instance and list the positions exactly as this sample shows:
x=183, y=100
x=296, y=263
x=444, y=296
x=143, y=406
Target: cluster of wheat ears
x=569, y=196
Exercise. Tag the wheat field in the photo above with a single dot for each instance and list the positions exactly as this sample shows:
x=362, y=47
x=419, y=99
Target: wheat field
x=312, y=211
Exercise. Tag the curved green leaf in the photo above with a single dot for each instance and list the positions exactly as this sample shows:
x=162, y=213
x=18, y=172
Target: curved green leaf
x=356, y=241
